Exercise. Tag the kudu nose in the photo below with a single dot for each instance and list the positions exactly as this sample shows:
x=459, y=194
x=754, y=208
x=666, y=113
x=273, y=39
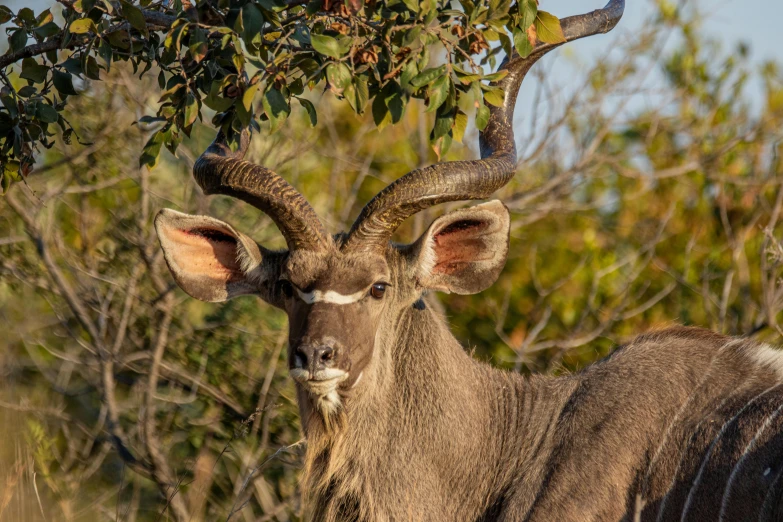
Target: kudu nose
x=314, y=358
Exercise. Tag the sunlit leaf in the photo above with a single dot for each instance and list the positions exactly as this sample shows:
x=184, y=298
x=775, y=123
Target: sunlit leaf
x=326, y=45
x=522, y=43
x=438, y=92
x=548, y=28
x=151, y=151
x=482, y=117
x=427, y=76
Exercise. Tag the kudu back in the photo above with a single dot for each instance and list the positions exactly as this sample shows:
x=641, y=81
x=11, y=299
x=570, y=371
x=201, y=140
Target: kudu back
x=402, y=424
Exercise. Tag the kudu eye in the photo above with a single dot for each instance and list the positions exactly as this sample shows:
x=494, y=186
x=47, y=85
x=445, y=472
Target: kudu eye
x=285, y=288
x=377, y=290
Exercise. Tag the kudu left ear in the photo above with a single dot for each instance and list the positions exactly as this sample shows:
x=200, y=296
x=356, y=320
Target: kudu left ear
x=208, y=258
x=465, y=250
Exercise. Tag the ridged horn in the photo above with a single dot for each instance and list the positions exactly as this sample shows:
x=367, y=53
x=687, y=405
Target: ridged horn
x=219, y=170
x=467, y=180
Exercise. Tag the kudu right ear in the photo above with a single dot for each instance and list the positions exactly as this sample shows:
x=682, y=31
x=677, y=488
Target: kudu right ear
x=208, y=258
x=465, y=250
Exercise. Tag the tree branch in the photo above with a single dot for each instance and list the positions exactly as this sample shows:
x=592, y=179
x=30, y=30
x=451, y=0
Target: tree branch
x=154, y=19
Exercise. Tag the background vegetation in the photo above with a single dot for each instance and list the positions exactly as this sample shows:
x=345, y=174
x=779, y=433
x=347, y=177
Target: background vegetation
x=120, y=395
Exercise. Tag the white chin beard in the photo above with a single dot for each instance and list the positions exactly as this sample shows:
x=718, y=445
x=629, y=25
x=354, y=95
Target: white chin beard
x=328, y=404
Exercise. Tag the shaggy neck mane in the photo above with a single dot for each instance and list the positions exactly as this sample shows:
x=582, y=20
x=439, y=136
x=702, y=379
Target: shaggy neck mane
x=427, y=412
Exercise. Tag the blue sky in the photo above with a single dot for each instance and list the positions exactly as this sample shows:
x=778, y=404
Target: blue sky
x=754, y=22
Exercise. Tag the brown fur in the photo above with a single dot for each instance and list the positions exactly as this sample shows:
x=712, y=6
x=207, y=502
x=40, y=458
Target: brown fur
x=677, y=424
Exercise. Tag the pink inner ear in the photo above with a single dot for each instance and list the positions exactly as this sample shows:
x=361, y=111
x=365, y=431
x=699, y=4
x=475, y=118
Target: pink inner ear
x=207, y=252
x=460, y=244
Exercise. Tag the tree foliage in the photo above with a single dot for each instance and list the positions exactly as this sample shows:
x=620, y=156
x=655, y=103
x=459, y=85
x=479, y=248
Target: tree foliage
x=626, y=217
x=248, y=60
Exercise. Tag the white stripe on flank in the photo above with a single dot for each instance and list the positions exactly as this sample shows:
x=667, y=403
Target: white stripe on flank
x=683, y=453
x=651, y=468
x=330, y=296
x=750, y=447
x=696, y=482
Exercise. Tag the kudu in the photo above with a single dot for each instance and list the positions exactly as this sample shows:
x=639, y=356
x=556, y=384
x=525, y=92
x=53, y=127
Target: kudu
x=402, y=424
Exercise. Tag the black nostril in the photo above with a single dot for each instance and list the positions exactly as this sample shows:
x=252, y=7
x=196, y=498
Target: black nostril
x=314, y=357
x=326, y=353
x=323, y=356
x=300, y=358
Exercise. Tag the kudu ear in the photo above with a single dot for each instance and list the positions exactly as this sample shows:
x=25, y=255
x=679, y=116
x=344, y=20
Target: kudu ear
x=208, y=258
x=465, y=250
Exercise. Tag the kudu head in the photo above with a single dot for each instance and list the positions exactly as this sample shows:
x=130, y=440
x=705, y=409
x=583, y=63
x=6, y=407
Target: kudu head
x=339, y=291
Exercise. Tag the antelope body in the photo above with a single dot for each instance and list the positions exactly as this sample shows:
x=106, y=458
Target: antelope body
x=402, y=424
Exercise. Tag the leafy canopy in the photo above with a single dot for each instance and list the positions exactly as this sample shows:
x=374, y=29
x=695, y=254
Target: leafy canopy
x=226, y=55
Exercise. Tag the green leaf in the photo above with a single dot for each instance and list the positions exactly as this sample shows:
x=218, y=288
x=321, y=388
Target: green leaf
x=18, y=40
x=313, y=6
x=6, y=179
x=442, y=146
x=357, y=95
x=151, y=151
x=27, y=91
x=276, y=108
x=150, y=119
x=44, y=18
x=412, y=5
x=464, y=76
x=528, y=9
x=214, y=100
x=393, y=97
x=496, y=76
x=326, y=45
x=46, y=30
x=339, y=77
x=443, y=124
x=411, y=37
x=248, y=96
x=427, y=76
x=46, y=113
x=73, y=66
x=388, y=106
x=310, y=108
x=498, y=9
x=63, y=81
x=408, y=73
x=438, y=92
x=5, y=14
x=548, y=28
x=191, y=109
x=198, y=44
x=494, y=97
x=380, y=112
x=33, y=71
x=83, y=25
x=91, y=69
x=522, y=44
x=460, y=124
x=10, y=105
x=482, y=117
x=26, y=15
x=120, y=39
x=252, y=22
x=134, y=16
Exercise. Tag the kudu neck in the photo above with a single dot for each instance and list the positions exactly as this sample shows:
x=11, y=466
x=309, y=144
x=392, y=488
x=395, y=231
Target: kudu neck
x=426, y=412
